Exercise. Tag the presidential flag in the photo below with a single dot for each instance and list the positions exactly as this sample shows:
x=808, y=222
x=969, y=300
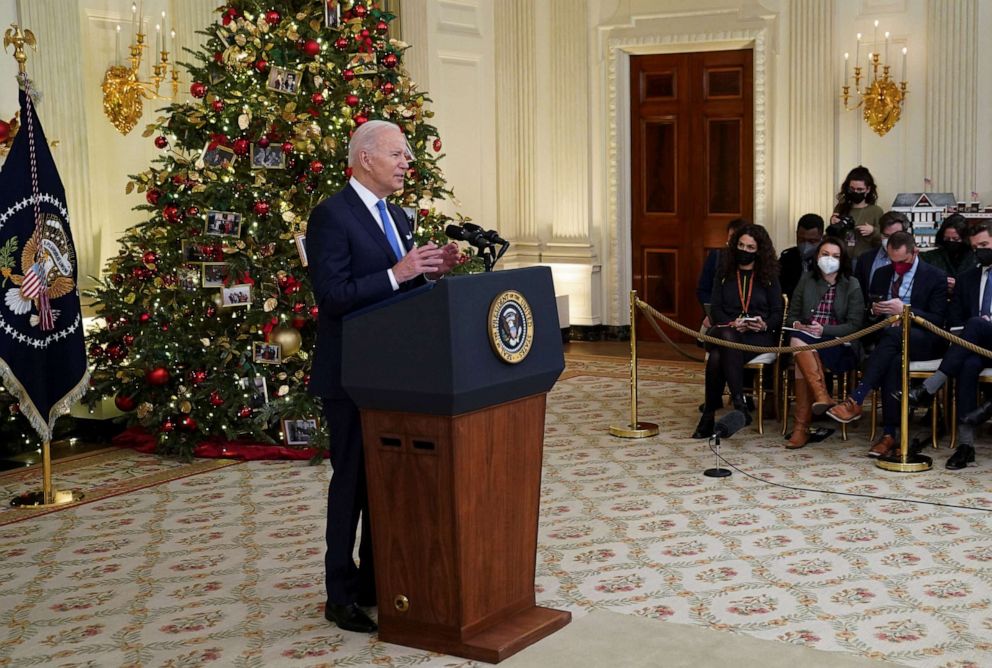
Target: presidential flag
x=42, y=353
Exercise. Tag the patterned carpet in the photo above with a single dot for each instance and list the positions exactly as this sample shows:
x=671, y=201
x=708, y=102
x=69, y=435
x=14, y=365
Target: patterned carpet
x=224, y=567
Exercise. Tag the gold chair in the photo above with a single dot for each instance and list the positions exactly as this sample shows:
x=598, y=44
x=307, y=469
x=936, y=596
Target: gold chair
x=921, y=370
x=758, y=364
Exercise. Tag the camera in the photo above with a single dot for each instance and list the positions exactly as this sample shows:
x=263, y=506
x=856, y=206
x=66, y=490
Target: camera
x=847, y=223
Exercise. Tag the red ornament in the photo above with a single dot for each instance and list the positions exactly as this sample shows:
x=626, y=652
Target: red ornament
x=4, y=130
x=437, y=145
x=152, y=196
x=424, y=213
x=128, y=339
x=287, y=147
x=168, y=425
x=316, y=167
x=261, y=208
x=165, y=327
x=197, y=376
x=240, y=146
x=347, y=172
x=298, y=323
x=388, y=88
x=359, y=120
x=157, y=376
x=381, y=27
x=161, y=142
x=314, y=311
x=144, y=317
x=96, y=351
x=192, y=212
x=178, y=180
x=351, y=100
x=298, y=307
x=171, y=213
x=263, y=141
x=261, y=65
x=150, y=257
x=216, y=399
x=364, y=34
x=311, y=47
x=272, y=17
x=317, y=99
x=210, y=312
x=359, y=10
x=218, y=56
x=244, y=412
x=125, y=403
x=390, y=60
x=348, y=75
x=187, y=423
x=217, y=105
x=341, y=43
x=197, y=89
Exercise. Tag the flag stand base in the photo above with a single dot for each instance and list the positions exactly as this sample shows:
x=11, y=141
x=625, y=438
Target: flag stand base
x=36, y=499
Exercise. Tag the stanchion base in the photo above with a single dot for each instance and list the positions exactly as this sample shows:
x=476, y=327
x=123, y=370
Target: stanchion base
x=913, y=463
x=36, y=499
x=639, y=430
x=716, y=473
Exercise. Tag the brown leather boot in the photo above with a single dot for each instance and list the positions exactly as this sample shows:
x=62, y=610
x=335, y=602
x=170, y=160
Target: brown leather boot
x=812, y=369
x=804, y=414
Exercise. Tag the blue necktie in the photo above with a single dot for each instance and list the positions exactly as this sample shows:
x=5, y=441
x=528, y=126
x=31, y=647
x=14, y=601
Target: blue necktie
x=387, y=227
x=987, y=297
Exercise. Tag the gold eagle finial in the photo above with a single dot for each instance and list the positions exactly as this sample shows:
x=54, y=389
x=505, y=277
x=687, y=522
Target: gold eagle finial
x=18, y=37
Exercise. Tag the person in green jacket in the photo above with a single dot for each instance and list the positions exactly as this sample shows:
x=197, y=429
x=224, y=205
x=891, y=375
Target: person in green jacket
x=953, y=253
x=855, y=218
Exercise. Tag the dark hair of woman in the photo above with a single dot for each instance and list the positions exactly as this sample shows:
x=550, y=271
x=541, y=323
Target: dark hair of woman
x=859, y=173
x=955, y=222
x=845, y=262
x=765, y=264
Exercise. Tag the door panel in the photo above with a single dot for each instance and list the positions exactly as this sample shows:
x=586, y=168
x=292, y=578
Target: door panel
x=692, y=169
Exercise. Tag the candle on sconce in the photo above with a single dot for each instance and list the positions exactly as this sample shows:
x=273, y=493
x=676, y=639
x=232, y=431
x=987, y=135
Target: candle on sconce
x=134, y=22
x=163, y=31
x=904, y=50
x=158, y=37
x=117, y=46
x=847, y=63
x=874, y=37
x=857, y=53
x=172, y=42
x=886, y=47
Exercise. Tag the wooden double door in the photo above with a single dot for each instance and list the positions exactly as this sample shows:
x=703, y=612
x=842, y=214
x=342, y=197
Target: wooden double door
x=692, y=169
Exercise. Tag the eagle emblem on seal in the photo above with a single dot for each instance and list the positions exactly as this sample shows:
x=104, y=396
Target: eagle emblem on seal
x=47, y=262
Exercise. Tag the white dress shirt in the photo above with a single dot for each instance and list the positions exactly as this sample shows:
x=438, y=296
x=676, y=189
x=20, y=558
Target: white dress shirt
x=369, y=200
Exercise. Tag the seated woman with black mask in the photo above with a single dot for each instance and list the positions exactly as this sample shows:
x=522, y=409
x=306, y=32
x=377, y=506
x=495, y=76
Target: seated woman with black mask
x=953, y=253
x=746, y=308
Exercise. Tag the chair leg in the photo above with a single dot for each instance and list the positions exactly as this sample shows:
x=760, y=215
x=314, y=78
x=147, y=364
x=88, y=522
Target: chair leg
x=933, y=423
x=759, y=403
x=954, y=414
x=874, y=415
x=784, y=389
x=843, y=393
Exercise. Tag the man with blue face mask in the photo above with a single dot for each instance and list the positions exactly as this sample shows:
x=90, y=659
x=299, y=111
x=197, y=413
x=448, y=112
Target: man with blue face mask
x=872, y=260
x=795, y=261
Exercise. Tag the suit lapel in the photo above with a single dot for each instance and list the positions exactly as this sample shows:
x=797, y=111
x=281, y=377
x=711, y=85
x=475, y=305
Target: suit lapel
x=402, y=225
x=368, y=223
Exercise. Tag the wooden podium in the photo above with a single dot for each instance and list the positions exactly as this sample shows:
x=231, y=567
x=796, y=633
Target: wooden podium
x=453, y=446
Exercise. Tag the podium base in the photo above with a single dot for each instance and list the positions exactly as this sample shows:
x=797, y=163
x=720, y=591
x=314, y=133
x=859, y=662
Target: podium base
x=36, y=499
x=639, y=430
x=914, y=463
x=492, y=645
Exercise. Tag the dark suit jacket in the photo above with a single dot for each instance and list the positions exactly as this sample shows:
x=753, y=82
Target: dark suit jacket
x=929, y=294
x=791, y=267
x=862, y=271
x=348, y=257
x=704, y=288
x=766, y=301
x=965, y=303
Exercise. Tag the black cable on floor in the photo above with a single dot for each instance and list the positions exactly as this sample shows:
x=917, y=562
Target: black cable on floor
x=826, y=491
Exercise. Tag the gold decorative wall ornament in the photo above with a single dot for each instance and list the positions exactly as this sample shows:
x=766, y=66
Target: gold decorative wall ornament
x=124, y=91
x=14, y=35
x=882, y=98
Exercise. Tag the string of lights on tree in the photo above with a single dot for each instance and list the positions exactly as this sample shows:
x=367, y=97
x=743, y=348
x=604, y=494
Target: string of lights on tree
x=276, y=92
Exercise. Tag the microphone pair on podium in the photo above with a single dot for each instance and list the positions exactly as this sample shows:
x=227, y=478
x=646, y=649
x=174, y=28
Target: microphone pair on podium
x=725, y=427
x=484, y=240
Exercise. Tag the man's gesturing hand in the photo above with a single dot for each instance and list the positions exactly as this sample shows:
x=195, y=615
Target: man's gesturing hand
x=426, y=259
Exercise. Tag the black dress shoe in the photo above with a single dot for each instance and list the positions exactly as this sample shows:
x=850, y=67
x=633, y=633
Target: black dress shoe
x=349, y=618
x=705, y=427
x=964, y=455
x=979, y=415
x=918, y=396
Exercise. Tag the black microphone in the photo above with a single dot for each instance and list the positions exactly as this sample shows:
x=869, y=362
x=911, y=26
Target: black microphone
x=492, y=236
x=729, y=424
x=459, y=233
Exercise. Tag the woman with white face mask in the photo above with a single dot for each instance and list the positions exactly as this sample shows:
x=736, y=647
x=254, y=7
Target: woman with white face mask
x=826, y=304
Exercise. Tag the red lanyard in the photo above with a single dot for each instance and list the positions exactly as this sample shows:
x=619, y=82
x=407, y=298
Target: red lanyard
x=744, y=291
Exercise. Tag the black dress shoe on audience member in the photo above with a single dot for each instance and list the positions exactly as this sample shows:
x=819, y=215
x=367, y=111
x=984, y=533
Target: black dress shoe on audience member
x=964, y=455
x=349, y=618
x=979, y=415
x=705, y=427
x=918, y=396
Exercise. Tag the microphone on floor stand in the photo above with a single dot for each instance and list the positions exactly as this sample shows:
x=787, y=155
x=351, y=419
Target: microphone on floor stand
x=727, y=426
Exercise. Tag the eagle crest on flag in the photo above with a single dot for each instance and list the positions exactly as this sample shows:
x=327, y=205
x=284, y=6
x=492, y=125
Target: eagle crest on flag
x=46, y=273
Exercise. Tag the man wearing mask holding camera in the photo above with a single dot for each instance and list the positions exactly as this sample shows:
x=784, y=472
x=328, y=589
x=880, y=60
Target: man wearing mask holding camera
x=972, y=309
x=795, y=261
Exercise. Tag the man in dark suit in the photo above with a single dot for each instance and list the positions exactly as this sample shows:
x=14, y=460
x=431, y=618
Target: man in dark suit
x=361, y=251
x=971, y=309
x=795, y=261
x=907, y=280
x=872, y=260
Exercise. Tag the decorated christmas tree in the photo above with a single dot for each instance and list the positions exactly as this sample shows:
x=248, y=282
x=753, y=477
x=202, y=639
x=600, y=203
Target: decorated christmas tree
x=208, y=309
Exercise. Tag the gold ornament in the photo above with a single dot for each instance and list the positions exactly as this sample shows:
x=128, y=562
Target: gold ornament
x=288, y=338
x=185, y=407
x=144, y=409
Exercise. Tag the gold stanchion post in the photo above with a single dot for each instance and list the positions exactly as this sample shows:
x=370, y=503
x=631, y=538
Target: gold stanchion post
x=904, y=461
x=635, y=429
